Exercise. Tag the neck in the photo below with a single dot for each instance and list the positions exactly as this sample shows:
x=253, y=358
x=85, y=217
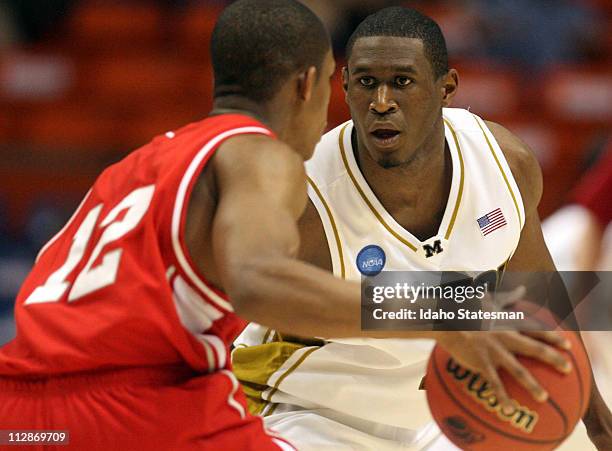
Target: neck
x=265, y=112
x=425, y=167
x=415, y=192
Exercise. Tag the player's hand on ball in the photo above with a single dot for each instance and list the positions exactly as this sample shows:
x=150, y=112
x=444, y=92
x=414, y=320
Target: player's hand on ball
x=487, y=352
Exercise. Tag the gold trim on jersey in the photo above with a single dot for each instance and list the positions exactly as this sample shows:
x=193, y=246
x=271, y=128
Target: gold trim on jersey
x=501, y=270
x=379, y=216
x=365, y=198
x=290, y=370
x=334, y=227
x=518, y=211
x=254, y=365
x=461, y=182
x=267, y=335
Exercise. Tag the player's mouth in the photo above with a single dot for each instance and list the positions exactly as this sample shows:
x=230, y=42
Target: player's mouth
x=385, y=137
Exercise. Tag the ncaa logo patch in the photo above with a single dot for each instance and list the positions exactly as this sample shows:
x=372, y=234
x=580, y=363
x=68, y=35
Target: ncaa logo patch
x=371, y=260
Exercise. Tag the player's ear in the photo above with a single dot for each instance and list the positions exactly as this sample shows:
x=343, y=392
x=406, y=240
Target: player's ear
x=345, y=78
x=306, y=83
x=450, y=84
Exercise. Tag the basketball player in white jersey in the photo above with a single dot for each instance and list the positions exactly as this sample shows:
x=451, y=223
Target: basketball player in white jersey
x=419, y=186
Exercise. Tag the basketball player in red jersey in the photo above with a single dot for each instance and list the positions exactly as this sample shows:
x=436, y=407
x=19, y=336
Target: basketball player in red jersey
x=123, y=325
x=122, y=330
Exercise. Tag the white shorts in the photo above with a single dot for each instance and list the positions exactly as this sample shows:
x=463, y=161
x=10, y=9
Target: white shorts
x=325, y=430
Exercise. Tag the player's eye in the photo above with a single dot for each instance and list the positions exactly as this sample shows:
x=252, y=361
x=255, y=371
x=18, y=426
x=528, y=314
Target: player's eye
x=366, y=81
x=402, y=81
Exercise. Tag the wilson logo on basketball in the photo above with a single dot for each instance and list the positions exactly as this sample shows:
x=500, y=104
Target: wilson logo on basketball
x=518, y=416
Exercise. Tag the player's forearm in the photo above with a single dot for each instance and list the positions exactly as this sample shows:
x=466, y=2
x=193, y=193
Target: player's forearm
x=291, y=296
x=598, y=420
x=597, y=417
x=297, y=298
x=596, y=406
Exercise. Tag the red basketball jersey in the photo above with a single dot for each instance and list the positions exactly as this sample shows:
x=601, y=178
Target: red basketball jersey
x=116, y=287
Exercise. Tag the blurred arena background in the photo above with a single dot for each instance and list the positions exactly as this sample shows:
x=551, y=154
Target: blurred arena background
x=83, y=82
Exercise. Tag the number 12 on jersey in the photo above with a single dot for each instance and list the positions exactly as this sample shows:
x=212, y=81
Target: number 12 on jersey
x=92, y=278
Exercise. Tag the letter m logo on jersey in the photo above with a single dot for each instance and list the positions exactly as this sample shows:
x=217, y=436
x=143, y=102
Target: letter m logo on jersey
x=433, y=250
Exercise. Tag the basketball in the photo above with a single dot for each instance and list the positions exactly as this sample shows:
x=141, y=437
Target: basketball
x=468, y=413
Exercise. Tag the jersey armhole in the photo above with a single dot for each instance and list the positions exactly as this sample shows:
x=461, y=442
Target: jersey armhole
x=179, y=214
x=504, y=169
x=330, y=228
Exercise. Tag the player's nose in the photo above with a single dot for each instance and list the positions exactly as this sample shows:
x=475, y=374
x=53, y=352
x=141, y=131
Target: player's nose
x=382, y=102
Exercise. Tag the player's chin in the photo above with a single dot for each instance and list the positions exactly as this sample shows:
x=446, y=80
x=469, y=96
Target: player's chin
x=387, y=160
x=387, y=153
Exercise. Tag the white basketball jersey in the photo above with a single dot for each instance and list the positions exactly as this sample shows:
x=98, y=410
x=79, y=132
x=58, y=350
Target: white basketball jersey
x=483, y=192
x=371, y=386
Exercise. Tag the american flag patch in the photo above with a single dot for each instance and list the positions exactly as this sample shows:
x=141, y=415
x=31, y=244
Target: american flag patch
x=491, y=221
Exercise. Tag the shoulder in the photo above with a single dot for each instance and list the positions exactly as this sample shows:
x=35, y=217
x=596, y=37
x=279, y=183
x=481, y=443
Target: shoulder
x=523, y=164
x=260, y=166
x=256, y=156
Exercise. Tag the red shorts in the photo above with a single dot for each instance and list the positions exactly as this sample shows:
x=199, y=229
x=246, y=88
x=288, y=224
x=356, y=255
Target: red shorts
x=141, y=409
